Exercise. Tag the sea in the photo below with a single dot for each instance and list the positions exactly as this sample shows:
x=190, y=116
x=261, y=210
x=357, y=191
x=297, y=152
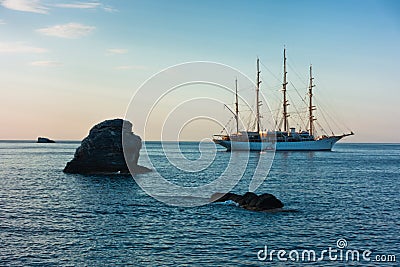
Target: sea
x=341, y=209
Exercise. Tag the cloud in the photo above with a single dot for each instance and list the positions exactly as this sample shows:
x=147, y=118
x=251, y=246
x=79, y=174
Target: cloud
x=2, y=22
x=19, y=47
x=86, y=5
x=25, y=5
x=69, y=30
x=47, y=63
x=37, y=7
x=109, y=9
x=131, y=67
x=81, y=5
x=117, y=51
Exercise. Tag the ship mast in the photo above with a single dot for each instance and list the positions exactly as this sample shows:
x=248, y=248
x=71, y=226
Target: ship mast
x=285, y=101
x=311, y=108
x=257, y=96
x=236, y=107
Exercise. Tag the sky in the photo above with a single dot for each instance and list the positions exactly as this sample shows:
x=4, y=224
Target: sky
x=67, y=65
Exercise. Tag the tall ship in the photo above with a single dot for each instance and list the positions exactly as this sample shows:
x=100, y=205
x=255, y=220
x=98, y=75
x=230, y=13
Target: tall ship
x=286, y=139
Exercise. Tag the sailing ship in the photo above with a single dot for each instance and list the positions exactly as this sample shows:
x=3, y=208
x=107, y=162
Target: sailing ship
x=287, y=139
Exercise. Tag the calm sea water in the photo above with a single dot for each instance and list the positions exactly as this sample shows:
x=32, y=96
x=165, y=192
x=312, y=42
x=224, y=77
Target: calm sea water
x=48, y=218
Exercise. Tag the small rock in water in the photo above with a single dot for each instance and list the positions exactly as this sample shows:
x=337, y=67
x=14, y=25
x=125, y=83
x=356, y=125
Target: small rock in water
x=250, y=200
x=44, y=140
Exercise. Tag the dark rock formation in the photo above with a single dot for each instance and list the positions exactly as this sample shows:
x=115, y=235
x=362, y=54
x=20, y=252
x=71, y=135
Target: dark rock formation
x=44, y=140
x=250, y=200
x=101, y=152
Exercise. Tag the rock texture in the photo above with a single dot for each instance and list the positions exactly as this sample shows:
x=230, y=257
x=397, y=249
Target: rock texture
x=250, y=200
x=44, y=140
x=101, y=152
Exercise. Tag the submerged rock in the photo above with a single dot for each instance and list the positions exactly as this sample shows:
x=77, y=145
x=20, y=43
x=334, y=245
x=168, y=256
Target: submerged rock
x=250, y=200
x=44, y=140
x=102, y=151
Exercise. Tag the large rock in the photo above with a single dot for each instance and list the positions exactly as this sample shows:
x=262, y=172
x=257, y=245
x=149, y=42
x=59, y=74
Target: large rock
x=250, y=200
x=102, y=151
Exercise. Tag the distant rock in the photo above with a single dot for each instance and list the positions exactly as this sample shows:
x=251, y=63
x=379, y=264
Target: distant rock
x=250, y=200
x=101, y=152
x=44, y=140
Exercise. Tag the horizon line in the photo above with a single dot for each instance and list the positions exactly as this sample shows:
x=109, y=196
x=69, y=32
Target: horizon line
x=72, y=140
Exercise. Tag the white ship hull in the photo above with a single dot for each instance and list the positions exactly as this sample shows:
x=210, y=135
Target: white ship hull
x=325, y=144
x=245, y=146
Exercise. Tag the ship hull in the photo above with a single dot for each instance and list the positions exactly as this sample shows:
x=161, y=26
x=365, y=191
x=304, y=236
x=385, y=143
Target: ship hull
x=245, y=146
x=325, y=144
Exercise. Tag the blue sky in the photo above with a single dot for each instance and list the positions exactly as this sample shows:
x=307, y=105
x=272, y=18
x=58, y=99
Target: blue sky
x=66, y=65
